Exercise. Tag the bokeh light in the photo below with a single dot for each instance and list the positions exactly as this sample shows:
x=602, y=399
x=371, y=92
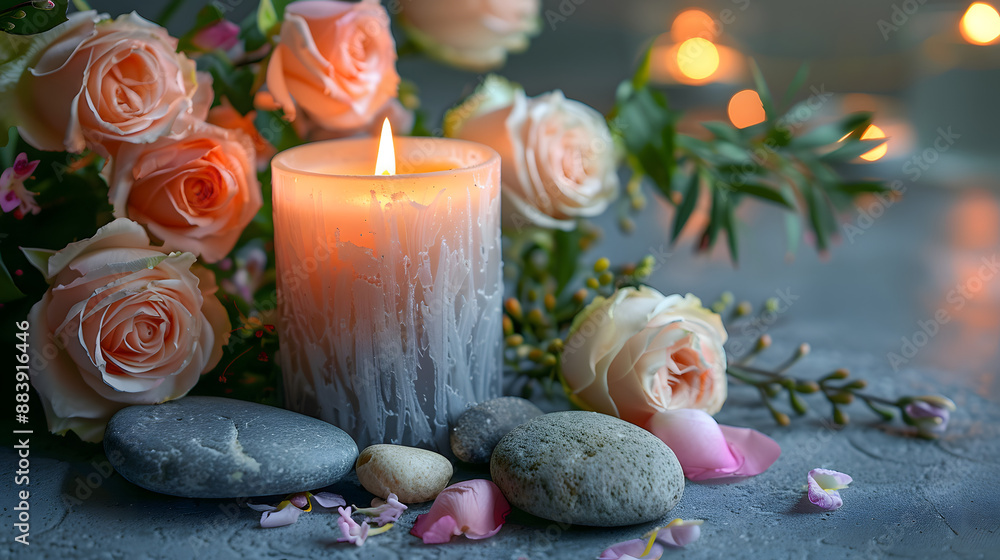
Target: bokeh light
x=745, y=109
x=690, y=24
x=697, y=58
x=874, y=133
x=981, y=24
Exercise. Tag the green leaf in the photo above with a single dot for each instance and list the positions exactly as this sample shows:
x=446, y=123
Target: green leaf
x=793, y=224
x=766, y=193
x=641, y=77
x=729, y=222
x=852, y=149
x=797, y=82
x=31, y=17
x=235, y=84
x=723, y=131
x=8, y=290
x=686, y=207
x=818, y=211
x=645, y=126
x=565, y=256
x=267, y=17
x=762, y=90
x=861, y=187
x=831, y=133
x=39, y=258
x=276, y=130
x=716, y=218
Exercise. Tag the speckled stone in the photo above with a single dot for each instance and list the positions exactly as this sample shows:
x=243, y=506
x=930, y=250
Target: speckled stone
x=414, y=475
x=587, y=468
x=210, y=447
x=479, y=429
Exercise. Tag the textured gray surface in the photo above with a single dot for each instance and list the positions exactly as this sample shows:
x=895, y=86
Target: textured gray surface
x=910, y=498
x=210, y=447
x=479, y=429
x=587, y=468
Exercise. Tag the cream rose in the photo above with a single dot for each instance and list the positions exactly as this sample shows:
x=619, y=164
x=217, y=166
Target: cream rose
x=122, y=323
x=558, y=161
x=334, y=60
x=105, y=83
x=471, y=34
x=640, y=352
x=196, y=194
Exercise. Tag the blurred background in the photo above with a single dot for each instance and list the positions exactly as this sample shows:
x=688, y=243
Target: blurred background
x=914, y=282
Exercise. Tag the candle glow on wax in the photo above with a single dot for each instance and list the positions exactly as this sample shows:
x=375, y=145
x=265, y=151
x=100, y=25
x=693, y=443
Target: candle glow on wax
x=385, y=163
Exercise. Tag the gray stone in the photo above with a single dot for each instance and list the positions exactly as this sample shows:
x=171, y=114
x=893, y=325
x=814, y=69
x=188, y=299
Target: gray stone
x=414, y=475
x=210, y=447
x=587, y=468
x=479, y=429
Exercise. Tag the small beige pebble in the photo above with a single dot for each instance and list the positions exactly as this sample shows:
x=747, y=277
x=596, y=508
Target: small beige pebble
x=414, y=475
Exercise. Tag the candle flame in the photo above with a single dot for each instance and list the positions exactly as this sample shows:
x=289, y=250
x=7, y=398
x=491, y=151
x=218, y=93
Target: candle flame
x=385, y=163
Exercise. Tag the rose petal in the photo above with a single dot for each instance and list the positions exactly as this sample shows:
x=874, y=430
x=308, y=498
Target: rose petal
x=824, y=485
x=329, y=500
x=707, y=450
x=632, y=550
x=679, y=532
x=261, y=507
x=279, y=518
x=476, y=508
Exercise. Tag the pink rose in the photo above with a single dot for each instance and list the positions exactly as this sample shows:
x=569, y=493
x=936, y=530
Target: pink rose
x=99, y=85
x=558, y=158
x=640, y=352
x=196, y=194
x=335, y=60
x=471, y=34
x=122, y=323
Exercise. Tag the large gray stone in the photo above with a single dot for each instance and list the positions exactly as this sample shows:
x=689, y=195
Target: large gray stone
x=479, y=429
x=587, y=468
x=210, y=447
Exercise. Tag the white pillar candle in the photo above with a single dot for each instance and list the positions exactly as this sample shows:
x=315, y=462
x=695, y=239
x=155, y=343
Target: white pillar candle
x=389, y=286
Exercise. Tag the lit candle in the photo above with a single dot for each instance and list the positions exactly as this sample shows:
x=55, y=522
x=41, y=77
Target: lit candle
x=389, y=285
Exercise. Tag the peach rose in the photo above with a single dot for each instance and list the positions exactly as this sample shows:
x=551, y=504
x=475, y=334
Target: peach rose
x=196, y=194
x=225, y=116
x=640, y=352
x=471, y=34
x=334, y=60
x=558, y=158
x=122, y=323
x=104, y=83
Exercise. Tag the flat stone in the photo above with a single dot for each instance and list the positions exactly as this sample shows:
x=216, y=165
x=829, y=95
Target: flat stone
x=211, y=447
x=414, y=475
x=587, y=468
x=479, y=429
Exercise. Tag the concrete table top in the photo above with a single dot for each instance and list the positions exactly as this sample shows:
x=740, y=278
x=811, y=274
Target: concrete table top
x=910, y=497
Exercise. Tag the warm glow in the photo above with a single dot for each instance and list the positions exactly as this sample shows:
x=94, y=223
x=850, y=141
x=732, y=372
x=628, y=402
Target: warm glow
x=692, y=23
x=873, y=133
x=385, y=163
x=746, y=109
x=697, y=58
x=981, y=24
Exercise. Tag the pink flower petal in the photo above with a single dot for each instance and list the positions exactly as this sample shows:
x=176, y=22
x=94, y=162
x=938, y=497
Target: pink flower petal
x=679, y=533
x=279, y=518
x=349, y=528
x=824, y=485
x=384, y=511
x=261, y=507
x=758, y=450
x=632, y=550
x=476, y=508
x=300, y=500
x=329, y=500
x=222, y=35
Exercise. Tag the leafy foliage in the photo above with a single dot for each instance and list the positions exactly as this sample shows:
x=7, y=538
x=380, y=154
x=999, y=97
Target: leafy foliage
x=773, y=161
x=19, y=17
